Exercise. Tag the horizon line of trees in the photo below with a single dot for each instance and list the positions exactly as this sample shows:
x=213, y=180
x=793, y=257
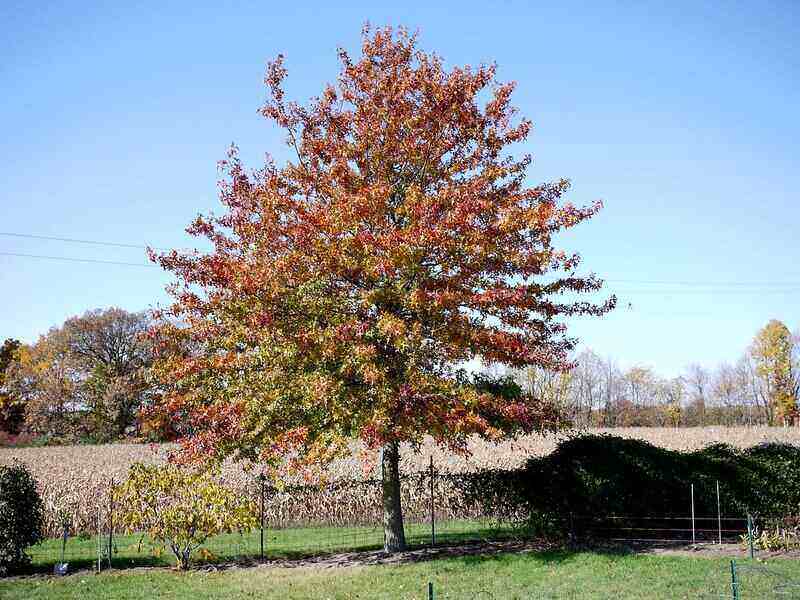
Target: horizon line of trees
x=761, y=388
x=88, y=380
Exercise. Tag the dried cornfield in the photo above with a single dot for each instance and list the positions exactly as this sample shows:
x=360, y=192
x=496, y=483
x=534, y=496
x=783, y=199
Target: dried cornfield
x=75, y=480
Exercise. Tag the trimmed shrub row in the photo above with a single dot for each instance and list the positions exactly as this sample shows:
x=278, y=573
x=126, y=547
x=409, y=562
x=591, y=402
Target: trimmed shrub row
x=604, y=475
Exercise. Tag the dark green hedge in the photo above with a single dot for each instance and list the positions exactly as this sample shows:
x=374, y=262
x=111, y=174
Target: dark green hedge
x=604, y=475
x=21, y=516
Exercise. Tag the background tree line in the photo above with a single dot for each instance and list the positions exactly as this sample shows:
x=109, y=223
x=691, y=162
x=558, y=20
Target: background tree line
x=88, y=380
x=761, y=388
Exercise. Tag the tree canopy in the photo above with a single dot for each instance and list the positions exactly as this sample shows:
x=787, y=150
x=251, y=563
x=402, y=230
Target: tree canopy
x=12, y=410
x=86, y=378
x=774, y=352
x=346, y=287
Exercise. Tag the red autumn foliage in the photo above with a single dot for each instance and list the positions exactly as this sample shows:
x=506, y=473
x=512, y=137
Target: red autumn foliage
x=345, y=287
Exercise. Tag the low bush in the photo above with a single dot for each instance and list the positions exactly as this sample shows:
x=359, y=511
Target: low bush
x=779, y=534
x=180, y=508
x=21, y=517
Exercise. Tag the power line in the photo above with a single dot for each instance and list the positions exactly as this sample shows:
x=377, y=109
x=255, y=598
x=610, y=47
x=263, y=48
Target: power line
x=631, y=309
x=83, y=260
x=618, y=292
x=706, y=283
x=795, y=290
x=781, y=286
x=74, y=240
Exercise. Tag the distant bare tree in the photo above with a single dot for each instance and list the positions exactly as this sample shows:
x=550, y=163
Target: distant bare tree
x=697, y=383
x=587, y=386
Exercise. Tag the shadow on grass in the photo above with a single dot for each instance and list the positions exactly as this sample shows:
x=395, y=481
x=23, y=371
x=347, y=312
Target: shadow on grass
x=474, y=546
x=47, y=566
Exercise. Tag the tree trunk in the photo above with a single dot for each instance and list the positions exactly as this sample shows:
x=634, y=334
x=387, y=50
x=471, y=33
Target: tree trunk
x=394, y=536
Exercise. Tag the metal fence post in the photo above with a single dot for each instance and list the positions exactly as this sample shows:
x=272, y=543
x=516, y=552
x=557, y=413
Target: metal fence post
x=734, y=581
x=719, y=516
x=750, y=535
x=111, y=524
x=433, y=507
x=261, y=514
x=694, y=538
x=64, y=537
x=99, y=541
x=572, y=527
x=430, y=590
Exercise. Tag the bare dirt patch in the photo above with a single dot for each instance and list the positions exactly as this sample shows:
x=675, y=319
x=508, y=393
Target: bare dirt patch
x=717, y=551
x=414, y=555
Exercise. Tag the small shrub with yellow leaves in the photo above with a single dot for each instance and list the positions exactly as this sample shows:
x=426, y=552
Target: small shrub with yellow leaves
x=180, y=508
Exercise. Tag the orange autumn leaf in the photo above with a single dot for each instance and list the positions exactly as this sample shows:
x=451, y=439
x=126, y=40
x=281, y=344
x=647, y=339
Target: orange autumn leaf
x=346, y=286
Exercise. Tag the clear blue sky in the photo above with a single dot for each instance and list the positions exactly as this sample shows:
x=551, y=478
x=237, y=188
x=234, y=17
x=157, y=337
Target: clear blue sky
x=683, y=118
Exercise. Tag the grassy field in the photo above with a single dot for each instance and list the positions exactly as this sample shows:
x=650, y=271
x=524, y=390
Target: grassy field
x=130, y=551
x=76, y=479
x=544, y=575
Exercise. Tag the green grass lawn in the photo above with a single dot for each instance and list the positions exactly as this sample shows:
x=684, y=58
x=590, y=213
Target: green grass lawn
x=544, y=575
x=131, y=551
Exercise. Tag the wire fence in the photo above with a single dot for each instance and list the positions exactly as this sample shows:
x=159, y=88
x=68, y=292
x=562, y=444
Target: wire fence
x=341, y=517
x=295, y=521
x=665, y=529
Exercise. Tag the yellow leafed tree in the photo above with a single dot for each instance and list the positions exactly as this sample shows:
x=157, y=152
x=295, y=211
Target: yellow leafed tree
x=773, y=351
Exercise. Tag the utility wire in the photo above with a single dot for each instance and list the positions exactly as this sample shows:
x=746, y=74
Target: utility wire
x=83, y=260
x=706, y=283
x=75, y=241
x=795, y=290
x=618, y=292
x=779, y=286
